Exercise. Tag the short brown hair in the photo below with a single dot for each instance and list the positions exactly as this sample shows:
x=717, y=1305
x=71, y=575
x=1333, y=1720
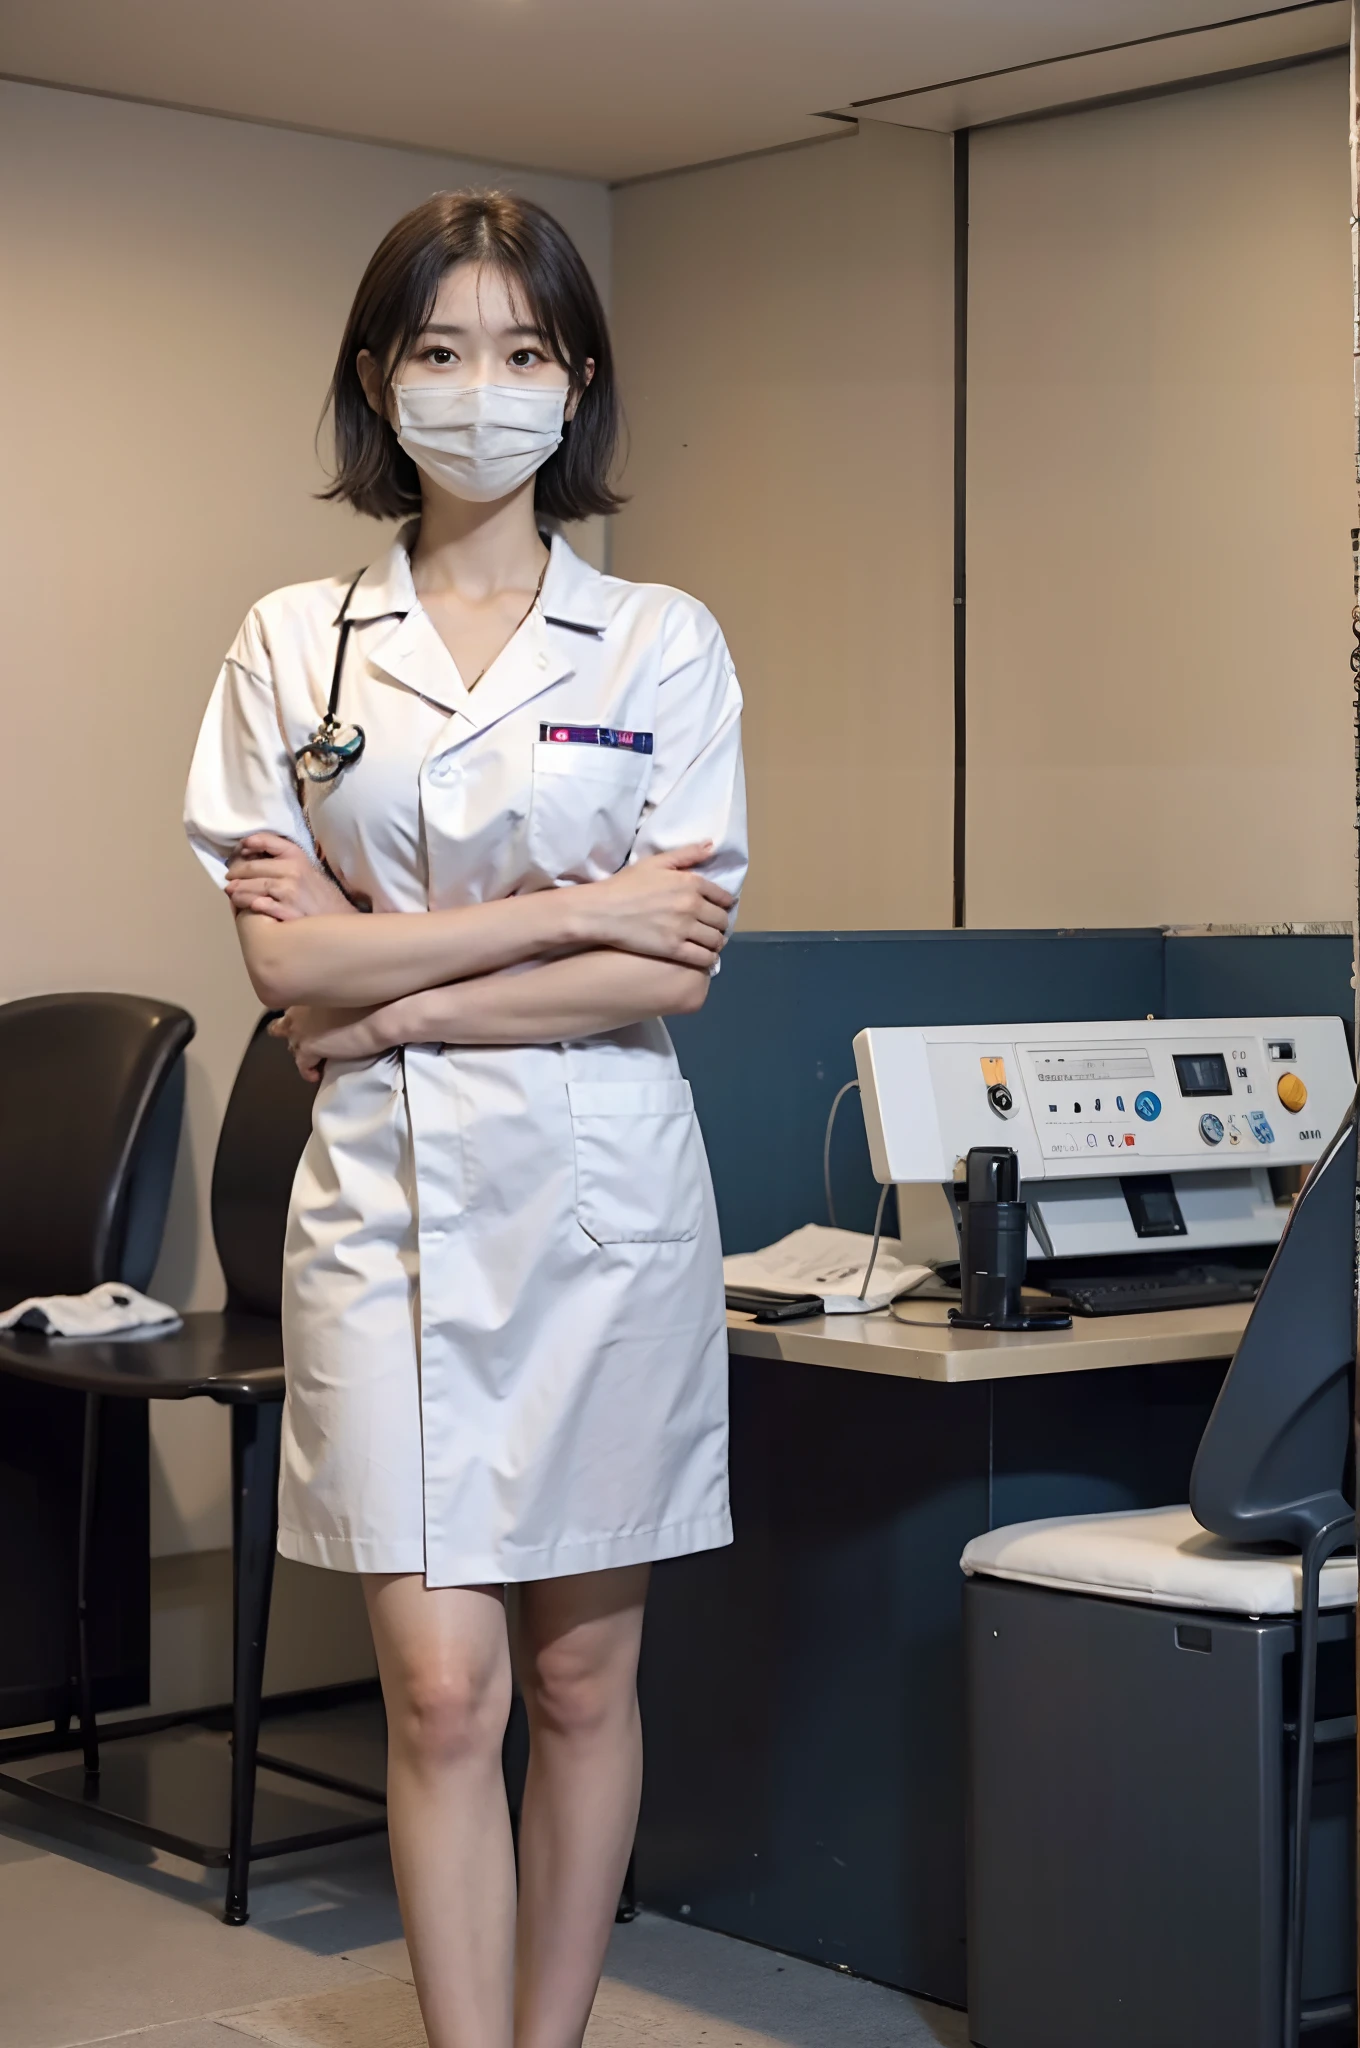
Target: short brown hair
x=395, y=298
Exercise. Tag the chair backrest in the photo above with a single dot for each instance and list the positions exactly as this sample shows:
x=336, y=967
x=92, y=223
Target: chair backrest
x=268, y=1121
x=91, y=1097
x=1272, y=1463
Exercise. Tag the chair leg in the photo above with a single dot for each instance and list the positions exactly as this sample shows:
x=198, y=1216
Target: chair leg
x=255, y=1436
x=514, y=1761
x=1332, y=1537
x=628, y=1906
x=89, y=1478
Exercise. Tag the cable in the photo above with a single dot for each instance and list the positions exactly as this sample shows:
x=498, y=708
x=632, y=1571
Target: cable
x=826, y=1148
x=920, y=1322
x=836, y=1101
x=878, y=1232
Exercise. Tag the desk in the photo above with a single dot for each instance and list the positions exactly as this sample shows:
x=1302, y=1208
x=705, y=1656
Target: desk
x=879, y=1343
x=802, y=1691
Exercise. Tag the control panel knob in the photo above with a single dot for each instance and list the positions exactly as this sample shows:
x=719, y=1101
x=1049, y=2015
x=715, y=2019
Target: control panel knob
x=1292, y=1092
x=1211, y=1128
x=1001, y=1099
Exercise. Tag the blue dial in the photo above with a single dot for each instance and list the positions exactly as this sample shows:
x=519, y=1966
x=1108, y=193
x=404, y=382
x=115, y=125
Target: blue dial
x=1148, y=1106
x=1211, y=1128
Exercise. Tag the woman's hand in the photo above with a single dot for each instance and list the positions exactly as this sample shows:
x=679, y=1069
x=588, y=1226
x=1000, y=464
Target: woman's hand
x=316, y=1035
x=276, y=878
x=659, y=908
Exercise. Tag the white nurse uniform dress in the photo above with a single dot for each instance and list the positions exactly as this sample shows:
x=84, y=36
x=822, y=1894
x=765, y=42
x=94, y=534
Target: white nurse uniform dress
x=502, y=1300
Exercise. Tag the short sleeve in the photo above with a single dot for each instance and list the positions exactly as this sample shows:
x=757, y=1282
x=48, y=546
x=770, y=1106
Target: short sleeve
x=697, y=788
x=242, y=778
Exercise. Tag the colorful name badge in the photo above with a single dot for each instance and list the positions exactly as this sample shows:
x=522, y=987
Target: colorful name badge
x=597, y=736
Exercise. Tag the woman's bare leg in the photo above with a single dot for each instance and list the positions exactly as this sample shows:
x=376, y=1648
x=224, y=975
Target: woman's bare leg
x=576, y=1652
x=444, y=1662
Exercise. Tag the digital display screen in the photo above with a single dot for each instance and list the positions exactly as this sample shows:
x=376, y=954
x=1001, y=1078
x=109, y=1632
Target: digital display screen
x=1202, y=1073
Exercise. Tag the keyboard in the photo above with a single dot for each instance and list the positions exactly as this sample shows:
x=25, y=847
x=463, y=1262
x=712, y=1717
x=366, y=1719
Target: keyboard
x=1127, y=1294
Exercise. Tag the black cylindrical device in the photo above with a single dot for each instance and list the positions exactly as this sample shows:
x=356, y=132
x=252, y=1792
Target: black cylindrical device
x=993, y=1174
x=993, y=1240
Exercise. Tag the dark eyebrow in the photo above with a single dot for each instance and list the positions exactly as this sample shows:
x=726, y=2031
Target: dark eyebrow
x=445, y=327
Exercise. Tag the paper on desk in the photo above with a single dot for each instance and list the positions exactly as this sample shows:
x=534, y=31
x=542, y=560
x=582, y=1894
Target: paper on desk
x=818, y=1260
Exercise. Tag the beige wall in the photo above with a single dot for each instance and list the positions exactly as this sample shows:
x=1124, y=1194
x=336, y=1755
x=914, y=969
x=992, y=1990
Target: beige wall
x=174, y=288
x=784, y=327
x=1160, y=502
x=1160, y=498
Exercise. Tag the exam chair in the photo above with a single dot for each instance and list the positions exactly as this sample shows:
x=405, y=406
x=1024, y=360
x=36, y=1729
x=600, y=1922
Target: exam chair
x=1154, y=1700
x=202, y=1807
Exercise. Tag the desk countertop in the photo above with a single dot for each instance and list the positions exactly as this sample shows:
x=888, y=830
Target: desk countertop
x=877, y=1343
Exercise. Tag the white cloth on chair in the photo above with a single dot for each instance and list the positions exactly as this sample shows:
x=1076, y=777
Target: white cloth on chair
x=109, y=1310
x=1157, y=1556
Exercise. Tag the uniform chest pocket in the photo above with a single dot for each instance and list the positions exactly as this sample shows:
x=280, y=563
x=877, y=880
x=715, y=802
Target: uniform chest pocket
x=640, y=1171
x=584, y=809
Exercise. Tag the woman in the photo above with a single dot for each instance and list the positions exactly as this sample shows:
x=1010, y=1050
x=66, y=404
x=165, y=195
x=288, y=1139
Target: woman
x=503, y=1317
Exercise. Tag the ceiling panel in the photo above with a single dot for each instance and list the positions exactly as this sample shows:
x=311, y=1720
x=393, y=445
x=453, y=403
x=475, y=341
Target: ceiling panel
x=1144, y=65
x=603, y=88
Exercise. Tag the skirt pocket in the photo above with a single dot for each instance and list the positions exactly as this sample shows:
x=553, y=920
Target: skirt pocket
x=639, y=1161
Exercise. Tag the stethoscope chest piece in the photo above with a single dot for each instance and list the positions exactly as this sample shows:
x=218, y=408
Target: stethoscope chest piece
x=331, y=748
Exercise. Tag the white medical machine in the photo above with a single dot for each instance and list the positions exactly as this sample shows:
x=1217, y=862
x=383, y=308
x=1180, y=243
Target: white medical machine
x=1136, y=1140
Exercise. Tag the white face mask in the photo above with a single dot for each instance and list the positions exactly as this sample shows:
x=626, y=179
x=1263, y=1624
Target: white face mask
x=480, y=441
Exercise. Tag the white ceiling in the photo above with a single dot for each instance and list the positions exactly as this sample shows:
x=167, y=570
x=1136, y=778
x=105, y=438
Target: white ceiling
x=603, y=88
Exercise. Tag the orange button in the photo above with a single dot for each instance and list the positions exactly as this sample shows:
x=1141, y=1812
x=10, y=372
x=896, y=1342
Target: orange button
x=1291, y=1092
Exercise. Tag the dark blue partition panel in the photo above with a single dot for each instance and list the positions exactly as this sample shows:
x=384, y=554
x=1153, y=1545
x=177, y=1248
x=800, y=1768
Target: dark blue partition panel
x=803, y=1690
x=768, y=1051
x=1257, y=976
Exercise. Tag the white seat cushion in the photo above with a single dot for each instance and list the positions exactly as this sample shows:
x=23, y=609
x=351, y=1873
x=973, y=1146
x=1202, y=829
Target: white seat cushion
x=1160, y=1556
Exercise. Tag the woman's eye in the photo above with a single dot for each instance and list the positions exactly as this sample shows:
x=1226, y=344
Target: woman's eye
x=525, y=358
x=440, y=357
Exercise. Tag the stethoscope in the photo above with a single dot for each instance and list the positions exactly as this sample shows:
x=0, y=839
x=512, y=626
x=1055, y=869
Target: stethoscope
x=333, y=747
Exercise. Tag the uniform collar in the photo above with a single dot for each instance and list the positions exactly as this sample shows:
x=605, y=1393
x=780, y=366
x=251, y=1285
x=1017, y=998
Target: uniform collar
x=386, y=585
x=574, y=609
x=574, y=594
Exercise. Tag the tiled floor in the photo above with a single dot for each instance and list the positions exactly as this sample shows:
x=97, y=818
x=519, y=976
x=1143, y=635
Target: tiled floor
x=101, y=1940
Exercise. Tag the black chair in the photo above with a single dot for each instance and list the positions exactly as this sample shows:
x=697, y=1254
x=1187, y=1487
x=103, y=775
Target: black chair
x=234, y=1357
x=1277, y=1453
x=1137, y=1864
x=91, y=1095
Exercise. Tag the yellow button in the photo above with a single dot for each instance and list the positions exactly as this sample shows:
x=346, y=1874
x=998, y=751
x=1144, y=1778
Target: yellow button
x=1291, y=1092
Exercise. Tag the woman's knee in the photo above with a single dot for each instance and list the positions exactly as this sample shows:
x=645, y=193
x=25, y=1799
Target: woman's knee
x=449, y=1712
x=578, y=1696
